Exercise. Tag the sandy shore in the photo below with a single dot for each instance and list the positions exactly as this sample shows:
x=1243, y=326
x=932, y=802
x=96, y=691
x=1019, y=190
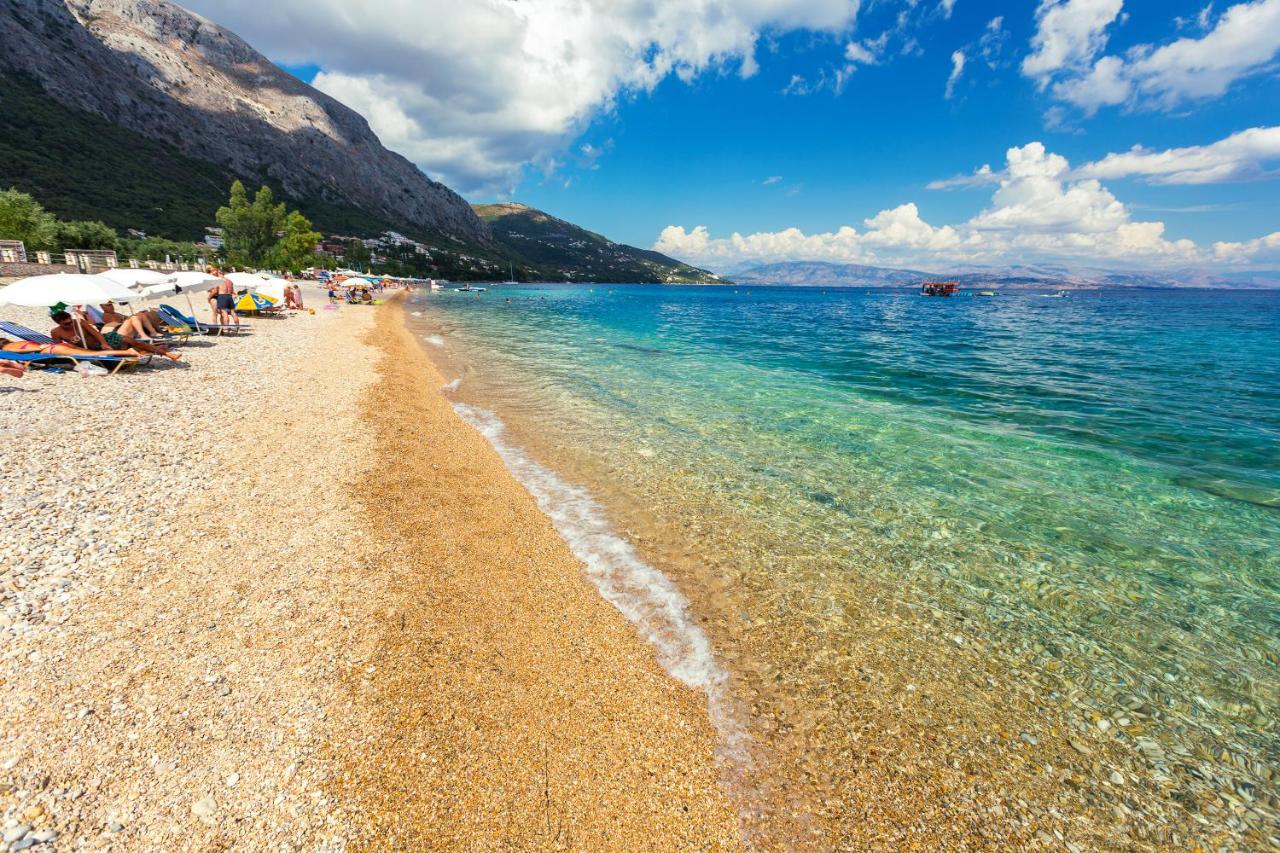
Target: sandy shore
x=284, y=598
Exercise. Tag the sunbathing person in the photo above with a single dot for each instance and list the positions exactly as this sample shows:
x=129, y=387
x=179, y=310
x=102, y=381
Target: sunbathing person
x=12, y=368
x=143, y=324
x=63, y=349
x=68, y=332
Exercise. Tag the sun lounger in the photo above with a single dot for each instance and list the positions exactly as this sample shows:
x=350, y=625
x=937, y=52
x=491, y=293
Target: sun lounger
x=34, y=337
x=170, y=334
x=46, y=359
x=192, y=323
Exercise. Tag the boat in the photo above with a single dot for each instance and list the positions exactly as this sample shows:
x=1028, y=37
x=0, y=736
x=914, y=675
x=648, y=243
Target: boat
x=939, y=288
x=511, y=274
x=466, y=288
x=1061, y=294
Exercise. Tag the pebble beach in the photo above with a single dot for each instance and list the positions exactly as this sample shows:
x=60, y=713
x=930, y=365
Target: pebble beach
x=281, y=597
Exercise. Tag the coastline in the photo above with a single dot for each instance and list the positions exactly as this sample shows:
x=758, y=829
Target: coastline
x=507, y=701
x=286, y=597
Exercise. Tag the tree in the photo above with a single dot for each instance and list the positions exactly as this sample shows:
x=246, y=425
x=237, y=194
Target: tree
x=22, y=218
x=296, y=246
x=250, y=230
x=84, y=235
x=357, y=254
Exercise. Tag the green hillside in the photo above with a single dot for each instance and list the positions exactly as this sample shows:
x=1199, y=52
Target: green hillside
x=549, y=249
x=81, y=166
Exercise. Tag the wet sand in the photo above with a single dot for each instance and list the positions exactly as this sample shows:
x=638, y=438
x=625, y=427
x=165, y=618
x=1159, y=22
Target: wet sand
x=499, y=700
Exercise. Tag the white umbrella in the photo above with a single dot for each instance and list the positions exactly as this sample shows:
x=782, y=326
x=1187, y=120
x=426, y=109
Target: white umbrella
x=42, y=291
x=246, y=280
x=273, y=288
x=133, y=278
x=193, y=282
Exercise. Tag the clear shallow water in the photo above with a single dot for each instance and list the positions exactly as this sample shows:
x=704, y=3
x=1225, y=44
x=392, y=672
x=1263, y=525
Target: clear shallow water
x=1082, y=491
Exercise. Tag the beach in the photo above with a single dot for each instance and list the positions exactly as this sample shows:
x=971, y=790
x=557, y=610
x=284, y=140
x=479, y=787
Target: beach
x=283, y=597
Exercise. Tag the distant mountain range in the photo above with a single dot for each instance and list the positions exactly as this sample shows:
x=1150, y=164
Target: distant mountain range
x=140, y=113
x=822, y=274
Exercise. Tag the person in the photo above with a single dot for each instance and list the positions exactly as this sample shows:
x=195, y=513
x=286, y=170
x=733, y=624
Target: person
x=333, y=295
x=226, y=303
x=12, y=368
x=68, y=332
x=297, y=296
x=142, y=324
x=61, y=349
x=366, y=297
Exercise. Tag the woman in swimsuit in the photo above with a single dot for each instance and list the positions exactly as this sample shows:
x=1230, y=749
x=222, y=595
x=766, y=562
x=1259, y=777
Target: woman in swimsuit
x=12, y=368
x=63, y=349
x=66, y=331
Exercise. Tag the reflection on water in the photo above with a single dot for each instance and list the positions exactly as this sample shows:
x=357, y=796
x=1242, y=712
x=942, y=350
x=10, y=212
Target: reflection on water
x=1029, y=543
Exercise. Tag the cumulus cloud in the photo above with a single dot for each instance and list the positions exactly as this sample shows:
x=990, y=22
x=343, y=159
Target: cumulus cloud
x=1069, y=33
x=476, y=90
x=1243, y=42
x=957, y=68
x=1040, y=210
x=1240, y=156
x=1263, y=248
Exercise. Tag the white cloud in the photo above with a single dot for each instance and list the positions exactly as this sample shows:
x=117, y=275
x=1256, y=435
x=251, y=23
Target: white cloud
x=957, y=68
x=981, y=177
x=1241, y=156
x=772, y=179
x=1069, y=33
x=1263, y=248
x=1039, y=211
x=946, y=7
x=991, y=45
x=476, y=90
x=1243, y=42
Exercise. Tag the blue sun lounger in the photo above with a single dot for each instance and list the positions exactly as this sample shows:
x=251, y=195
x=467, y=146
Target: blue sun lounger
x=51, y=359
x=115, y=362
x=208, y=328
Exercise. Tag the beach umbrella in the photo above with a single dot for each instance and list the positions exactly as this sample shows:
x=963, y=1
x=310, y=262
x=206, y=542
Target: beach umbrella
x=272, y=289
x=253, y=301
x=193, y=282
x=45, y=291
x=185, y=283
x=133, y=278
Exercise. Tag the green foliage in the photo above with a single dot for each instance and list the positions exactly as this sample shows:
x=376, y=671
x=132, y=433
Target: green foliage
x=160, y=249
x=296, y=247
x=22, y=218
x=357, y=255
x=250, y=229
x=85, y=235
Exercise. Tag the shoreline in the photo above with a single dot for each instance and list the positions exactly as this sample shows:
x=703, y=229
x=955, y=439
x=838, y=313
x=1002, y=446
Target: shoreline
x=287, y=598
x=509, y=702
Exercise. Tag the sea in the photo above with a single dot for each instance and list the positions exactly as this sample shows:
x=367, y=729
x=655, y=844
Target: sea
x=1005, y=567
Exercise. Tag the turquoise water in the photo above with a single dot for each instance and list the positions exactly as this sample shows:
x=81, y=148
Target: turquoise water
x=1090, y=484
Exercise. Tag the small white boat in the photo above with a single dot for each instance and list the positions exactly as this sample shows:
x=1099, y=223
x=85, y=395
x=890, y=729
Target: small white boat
x=469, y=289
x=1061, y=294
x=511, y=274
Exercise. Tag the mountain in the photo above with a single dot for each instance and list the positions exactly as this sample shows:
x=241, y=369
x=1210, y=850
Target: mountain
x=168, y=82
x=820, y=274
x=549, y=249
x=1033, y=276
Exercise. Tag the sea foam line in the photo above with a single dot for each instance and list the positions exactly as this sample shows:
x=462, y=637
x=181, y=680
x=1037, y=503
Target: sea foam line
x=642, y=593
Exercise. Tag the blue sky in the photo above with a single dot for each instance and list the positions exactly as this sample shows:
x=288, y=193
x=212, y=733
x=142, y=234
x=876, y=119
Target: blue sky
x=783, y=122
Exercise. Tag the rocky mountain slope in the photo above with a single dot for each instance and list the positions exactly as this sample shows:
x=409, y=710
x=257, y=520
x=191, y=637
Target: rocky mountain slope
x=549, y=249
x=153, y=68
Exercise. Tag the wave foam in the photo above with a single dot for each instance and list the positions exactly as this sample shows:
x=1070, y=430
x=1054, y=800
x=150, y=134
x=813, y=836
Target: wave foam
x=640, y=592
x=452, y=386
x=434, y=340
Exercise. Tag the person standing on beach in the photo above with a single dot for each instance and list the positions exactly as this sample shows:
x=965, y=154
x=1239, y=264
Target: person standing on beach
x=226, y=301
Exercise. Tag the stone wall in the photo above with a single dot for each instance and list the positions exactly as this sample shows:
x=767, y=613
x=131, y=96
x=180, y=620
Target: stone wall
x=25, y=270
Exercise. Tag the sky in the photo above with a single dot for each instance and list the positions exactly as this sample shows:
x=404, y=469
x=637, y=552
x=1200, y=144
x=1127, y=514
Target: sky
x=936, y=133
